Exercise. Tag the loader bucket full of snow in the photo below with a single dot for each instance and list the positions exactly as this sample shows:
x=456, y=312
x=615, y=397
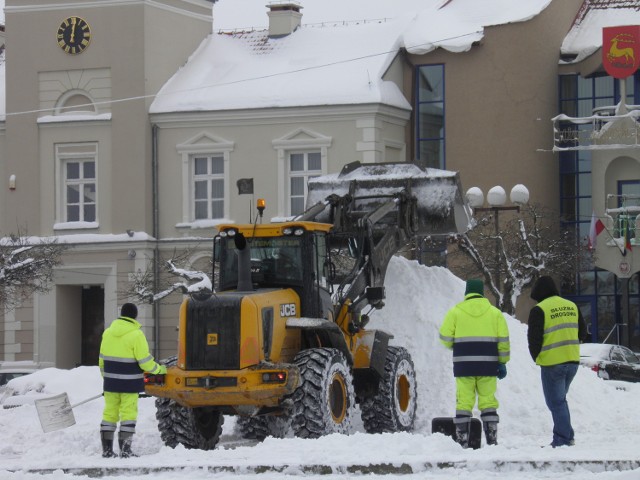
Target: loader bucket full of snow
x=441, y=206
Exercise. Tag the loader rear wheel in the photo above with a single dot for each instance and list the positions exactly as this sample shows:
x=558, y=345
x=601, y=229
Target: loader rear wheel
x=393, y=407
x=324, y=401
x=194, y=428
x=264, y=426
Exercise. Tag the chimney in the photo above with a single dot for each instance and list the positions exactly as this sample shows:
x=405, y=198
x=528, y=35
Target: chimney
x=284, y=17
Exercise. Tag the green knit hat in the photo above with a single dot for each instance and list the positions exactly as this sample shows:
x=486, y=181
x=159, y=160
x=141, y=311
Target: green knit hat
x=474, y=285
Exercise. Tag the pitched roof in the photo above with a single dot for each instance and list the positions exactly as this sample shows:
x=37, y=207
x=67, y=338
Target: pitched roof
x=585, y=36
x=338, y=57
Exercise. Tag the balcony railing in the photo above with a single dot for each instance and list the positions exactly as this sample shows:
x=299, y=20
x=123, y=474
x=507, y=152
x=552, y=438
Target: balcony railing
x=599, y=131
x=623, y=222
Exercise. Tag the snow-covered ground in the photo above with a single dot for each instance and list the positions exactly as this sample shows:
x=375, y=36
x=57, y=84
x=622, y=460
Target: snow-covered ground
x=605, y=417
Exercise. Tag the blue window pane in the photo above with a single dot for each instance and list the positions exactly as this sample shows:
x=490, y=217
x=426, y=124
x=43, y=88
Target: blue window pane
x=585, y=108
x=89, y=169
x=584, y=183
x=584, y=206
x=432, y=153
x=587, y=283
x=584, y=161
x=296, y=162
x=217, y=165
x=73, y=170
x=200, y=166
x=89, y=193
x=585, y=87
x=431, y=83
x=217, y=188
x=90, y=213
x=73, y=193
x=604, y=87
x=201, y=190
x=201, y=210
x=315, y=162
x=73, y=213
x=297, y=205
x=431, y=120
x=217, y=209
x=605, y=282
x=567, y=162
x=297, y=186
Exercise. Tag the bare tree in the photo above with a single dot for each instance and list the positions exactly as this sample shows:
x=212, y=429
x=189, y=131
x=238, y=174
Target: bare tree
x=26, y=267
x=513, y=255
x=158, y=280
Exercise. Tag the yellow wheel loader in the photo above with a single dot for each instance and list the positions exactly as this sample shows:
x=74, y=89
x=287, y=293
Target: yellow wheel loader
x=283, y=342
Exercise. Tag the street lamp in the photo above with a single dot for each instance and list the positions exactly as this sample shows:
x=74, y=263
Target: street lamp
x=496, y=198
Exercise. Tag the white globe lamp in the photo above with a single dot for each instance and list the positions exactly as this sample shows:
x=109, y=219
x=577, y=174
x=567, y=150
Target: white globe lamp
x=497, y=196
x=475, y=197
x=519, y=195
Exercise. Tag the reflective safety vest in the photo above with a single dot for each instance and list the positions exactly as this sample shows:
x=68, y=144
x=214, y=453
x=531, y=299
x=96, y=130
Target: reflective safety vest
x=478, y=334
x=124, y=357
x=560, y=342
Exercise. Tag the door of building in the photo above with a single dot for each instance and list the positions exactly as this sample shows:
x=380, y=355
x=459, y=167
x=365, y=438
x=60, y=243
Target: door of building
x=92, y=323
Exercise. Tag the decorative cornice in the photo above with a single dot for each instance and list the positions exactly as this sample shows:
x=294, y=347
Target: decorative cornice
x=278, y=115
x=113, y=3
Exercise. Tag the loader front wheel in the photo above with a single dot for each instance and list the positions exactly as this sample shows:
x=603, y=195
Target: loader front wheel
x=324, y=401
x=393, y=407
x=194, y=428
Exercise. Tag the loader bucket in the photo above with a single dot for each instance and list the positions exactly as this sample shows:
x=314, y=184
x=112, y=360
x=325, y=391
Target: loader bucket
x=441, y=205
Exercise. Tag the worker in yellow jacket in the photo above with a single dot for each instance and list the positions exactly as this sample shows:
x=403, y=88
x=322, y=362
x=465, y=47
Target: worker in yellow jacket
x=124, y=357
x=556, y=328
x=478, y=334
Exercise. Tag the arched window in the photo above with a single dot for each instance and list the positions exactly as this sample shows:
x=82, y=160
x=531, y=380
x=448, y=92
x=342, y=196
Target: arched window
x=74, y=102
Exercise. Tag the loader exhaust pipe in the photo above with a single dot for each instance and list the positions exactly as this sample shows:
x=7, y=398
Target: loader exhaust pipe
x=245, y=284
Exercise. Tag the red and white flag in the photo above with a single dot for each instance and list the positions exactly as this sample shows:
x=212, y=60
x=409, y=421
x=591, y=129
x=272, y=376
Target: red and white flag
x=596, y=229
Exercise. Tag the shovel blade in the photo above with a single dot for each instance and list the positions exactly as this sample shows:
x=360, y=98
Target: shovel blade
x=55, y=413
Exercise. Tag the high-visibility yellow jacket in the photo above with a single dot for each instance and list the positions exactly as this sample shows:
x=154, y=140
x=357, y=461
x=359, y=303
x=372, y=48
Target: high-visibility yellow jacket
x=124, y=356
x=478, y=334
x=560, y=342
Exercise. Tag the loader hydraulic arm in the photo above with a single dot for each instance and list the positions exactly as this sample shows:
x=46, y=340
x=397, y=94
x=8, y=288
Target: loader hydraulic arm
x=379, y=241
x=376, y=209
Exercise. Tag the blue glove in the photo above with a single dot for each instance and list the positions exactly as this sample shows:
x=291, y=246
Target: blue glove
x=502, y=371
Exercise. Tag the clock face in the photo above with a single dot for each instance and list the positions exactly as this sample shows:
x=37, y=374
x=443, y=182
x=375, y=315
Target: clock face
x=74, y=35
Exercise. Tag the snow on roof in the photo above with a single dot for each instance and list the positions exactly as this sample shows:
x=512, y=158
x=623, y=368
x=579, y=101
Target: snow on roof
x=585, y=36
x=338, y=56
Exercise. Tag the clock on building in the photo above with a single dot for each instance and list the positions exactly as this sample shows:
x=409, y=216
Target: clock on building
x=74, y=35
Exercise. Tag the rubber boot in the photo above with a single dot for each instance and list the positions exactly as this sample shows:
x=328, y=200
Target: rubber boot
x=124, y=441
x=491, y=432
x=107, y=444
x=462, y=433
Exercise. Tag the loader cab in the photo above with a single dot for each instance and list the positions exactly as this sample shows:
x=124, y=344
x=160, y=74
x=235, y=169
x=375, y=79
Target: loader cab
x=282, y=256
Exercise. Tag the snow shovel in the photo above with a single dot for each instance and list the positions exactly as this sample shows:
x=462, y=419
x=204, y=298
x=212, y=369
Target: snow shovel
x=56, y=413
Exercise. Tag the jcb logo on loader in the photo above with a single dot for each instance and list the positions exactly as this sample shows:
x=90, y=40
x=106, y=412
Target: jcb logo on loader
x=288, y=310
x=212, y=338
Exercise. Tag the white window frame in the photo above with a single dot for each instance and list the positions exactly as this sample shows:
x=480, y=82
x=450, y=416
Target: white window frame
x=202, y=145
x=208, y=177
x=301, y=140
x=73, y=152
x=305, y=174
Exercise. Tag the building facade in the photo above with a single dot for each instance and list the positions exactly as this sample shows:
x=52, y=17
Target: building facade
x=105, y=159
